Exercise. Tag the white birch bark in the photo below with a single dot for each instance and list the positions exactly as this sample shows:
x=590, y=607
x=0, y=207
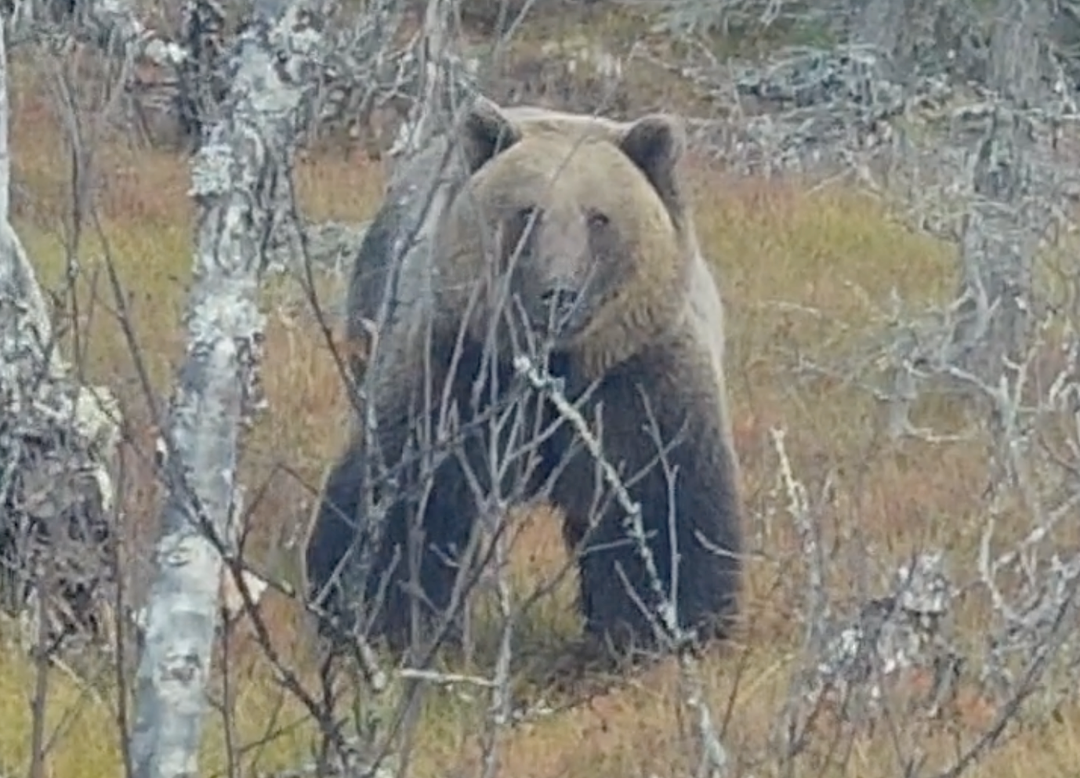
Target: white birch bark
x=238, y=175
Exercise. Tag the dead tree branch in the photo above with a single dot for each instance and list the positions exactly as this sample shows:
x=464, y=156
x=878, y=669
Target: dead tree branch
x=111, y=25
x=57, y=437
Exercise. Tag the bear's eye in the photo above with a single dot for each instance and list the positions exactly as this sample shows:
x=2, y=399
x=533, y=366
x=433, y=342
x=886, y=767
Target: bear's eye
x=598, y=220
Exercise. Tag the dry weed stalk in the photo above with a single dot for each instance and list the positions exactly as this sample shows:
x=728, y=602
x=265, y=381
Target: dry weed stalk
x=856, y=657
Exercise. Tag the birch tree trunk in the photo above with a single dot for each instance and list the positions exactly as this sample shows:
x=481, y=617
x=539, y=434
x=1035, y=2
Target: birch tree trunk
x=239, y=175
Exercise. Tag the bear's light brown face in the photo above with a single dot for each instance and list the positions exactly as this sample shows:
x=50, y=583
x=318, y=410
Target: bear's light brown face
x=577, y=231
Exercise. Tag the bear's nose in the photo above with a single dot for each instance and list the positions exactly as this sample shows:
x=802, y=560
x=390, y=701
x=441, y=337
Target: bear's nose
x=560, y=301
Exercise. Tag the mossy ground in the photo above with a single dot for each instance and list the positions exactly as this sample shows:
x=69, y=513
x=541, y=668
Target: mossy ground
x=801, y=273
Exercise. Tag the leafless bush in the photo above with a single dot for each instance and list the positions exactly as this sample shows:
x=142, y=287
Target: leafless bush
x=995, y=175
x=843, y=106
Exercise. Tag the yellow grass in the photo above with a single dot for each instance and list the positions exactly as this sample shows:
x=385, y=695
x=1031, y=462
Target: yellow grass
x=833, y=253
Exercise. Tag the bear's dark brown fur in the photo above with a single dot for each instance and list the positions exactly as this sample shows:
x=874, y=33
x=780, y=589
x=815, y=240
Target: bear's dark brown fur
x=639, y=336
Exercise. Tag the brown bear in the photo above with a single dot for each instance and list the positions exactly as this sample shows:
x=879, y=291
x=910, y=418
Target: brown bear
x=565, y=238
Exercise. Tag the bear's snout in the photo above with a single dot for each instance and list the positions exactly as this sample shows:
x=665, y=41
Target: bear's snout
x=561, y=299
x=558, y=304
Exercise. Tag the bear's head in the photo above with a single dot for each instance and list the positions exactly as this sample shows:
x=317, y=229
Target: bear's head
x=574, y=223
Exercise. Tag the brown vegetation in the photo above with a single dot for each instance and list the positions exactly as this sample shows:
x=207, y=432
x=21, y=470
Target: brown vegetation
x=827, y=253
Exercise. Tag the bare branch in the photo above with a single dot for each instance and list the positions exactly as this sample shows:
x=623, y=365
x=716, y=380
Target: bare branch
x=57, y=438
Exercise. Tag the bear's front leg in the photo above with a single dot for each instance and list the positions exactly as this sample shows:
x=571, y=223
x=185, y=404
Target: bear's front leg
x=340, y=531
x=679, y=545
x=413, y=564
x=416, y=569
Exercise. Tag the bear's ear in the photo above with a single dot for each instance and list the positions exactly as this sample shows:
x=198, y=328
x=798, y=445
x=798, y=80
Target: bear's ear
x=485, y=131
x=655, y=143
